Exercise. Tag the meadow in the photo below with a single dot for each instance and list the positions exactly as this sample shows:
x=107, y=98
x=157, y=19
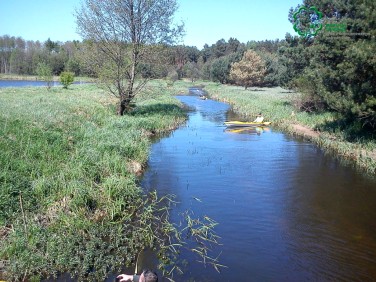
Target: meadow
x=69, y=197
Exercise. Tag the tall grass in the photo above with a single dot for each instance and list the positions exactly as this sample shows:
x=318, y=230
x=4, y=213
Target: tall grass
x=276, y=104
x=69, y=165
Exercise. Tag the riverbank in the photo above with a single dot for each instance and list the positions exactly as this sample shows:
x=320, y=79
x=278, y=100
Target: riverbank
x=276, y=104
x=69, y=199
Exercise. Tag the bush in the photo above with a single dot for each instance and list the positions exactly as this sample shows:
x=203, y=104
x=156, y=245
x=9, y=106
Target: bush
x=66, y=78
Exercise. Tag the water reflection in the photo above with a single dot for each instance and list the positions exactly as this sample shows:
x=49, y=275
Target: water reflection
x=286, y=211
x=247, y=130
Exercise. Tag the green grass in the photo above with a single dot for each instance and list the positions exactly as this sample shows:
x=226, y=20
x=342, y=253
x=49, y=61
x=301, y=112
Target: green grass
x=69, y=197
x=276, y=104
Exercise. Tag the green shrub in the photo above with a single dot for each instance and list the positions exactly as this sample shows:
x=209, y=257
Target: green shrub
x=66, y=78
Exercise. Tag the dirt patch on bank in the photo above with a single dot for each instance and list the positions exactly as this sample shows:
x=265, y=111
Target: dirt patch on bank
x=305, y=131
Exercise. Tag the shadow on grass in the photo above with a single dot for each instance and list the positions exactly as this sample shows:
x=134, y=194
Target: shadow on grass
x=256, y=89
x=351, y=131
x=286, y=104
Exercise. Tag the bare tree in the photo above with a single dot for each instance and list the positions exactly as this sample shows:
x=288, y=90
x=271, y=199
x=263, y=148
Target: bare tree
x=122, y=34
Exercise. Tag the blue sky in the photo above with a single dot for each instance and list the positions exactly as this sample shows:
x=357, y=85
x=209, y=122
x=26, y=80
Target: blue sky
x=206, y=21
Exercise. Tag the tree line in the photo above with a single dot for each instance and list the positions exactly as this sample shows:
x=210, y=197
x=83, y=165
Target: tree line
x=19, y=56
x=333, y=70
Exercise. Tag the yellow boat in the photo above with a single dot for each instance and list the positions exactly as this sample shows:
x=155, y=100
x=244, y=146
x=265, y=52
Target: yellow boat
x=246, y=124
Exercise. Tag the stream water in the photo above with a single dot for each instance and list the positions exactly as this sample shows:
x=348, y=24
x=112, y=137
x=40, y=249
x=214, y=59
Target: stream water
x=286, y=211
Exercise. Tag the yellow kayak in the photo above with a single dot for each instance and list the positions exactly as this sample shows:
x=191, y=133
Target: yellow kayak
x=246, y=124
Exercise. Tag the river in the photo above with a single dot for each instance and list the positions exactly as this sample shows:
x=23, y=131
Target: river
x=286, y=210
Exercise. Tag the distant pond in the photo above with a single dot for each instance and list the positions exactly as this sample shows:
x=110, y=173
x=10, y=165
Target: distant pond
x=28, y=83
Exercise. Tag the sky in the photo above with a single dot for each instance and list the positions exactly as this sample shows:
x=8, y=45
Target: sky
x=206, y=21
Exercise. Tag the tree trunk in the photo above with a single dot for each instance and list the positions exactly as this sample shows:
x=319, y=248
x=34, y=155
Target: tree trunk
x=122, y=106
x=125, y=104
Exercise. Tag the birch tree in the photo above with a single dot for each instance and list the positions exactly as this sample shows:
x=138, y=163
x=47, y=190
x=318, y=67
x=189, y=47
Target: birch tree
x=121, y=34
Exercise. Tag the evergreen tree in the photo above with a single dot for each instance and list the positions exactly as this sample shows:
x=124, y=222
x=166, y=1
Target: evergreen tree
x=341, y=67
x=249, y=71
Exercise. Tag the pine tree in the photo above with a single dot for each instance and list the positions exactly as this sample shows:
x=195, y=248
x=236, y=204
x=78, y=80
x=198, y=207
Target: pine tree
x=249, y=71
x=340, y=68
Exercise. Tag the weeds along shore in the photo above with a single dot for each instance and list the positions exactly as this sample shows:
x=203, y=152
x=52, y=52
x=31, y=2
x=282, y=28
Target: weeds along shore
x=69, y=200
x=276, y=104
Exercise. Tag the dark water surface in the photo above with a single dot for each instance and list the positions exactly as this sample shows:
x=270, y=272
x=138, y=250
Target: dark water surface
x=286, y=211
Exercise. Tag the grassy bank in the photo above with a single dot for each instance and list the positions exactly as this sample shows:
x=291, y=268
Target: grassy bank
x=69, y=200
x=276, y=104
x=9, y=76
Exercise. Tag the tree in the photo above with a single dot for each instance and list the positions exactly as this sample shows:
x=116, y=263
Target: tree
x=66, y=78
x=206, y=53
x=233, y=45
x=219, y=48
x=119, y=35
x=294, y=56
x=272, y=69
x=17, y=61
x=249, y=71
x=206, y=71
x=340, y=70
x=73, y=65
x=220, y=68
x=192, y=71
x=52, y=47
x=44, y=73
x=7, y=45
